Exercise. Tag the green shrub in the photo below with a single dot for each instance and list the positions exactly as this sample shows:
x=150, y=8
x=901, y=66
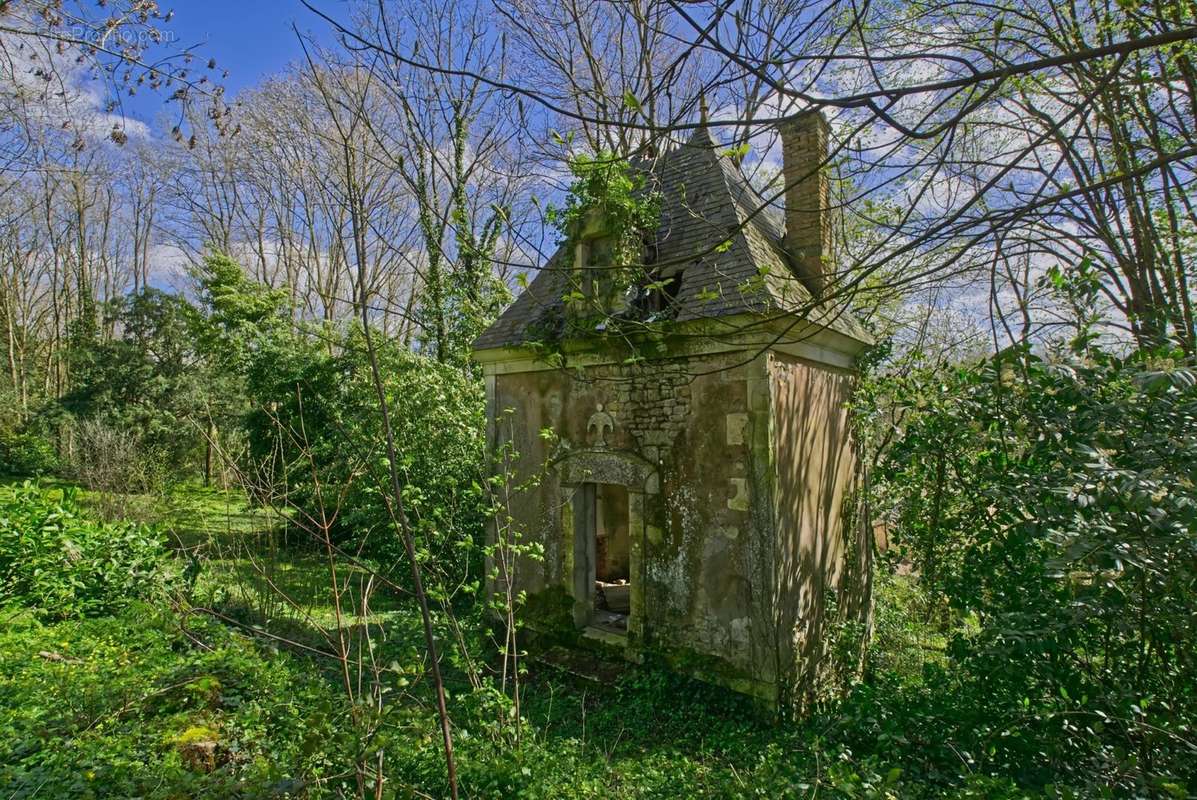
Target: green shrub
x=26, y=454
x=1047, y=501
x=137, y=402
x=306, y=399
x=64, y=564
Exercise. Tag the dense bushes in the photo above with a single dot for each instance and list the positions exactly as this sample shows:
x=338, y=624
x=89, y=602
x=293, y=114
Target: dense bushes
x=230, y=384
x=58, y=561
x=308, y=402
x=1049, y=506
x=137, y=406
x=26, y=454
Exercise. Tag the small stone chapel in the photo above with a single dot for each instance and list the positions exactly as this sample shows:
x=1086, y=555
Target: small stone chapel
x=698, y=505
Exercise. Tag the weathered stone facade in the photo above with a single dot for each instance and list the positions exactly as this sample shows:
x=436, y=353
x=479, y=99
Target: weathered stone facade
x=710, y=485
x=732, y=546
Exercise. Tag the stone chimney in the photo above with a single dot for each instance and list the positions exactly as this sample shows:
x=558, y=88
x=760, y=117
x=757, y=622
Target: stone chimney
x=804, y=145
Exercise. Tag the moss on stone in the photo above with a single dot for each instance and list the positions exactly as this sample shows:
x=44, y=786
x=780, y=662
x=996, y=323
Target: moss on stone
x=715, y=670
x=548, y=615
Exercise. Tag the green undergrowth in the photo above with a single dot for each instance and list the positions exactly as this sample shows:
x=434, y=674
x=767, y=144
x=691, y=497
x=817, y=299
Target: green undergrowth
x=213, y=690
x=60, y=562
x=132, y=706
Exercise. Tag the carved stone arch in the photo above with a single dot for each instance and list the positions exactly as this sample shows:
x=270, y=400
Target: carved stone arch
x=599, y=465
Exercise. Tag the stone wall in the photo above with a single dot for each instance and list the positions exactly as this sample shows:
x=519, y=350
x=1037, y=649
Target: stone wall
x=693, y=440
x=823, y=557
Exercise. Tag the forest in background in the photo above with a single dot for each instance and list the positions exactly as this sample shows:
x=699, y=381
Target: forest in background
x=205, y=319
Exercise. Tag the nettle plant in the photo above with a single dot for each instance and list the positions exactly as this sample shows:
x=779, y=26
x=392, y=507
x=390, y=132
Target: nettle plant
x=608, y=214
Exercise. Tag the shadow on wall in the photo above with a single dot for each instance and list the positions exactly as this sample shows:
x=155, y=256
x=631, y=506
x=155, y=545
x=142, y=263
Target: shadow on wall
x=823, y=557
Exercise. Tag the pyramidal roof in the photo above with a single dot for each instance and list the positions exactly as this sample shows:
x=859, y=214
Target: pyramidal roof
x=716, y=233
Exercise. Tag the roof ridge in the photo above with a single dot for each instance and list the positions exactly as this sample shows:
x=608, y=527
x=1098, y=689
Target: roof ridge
x=730, y=260
x=701, y=131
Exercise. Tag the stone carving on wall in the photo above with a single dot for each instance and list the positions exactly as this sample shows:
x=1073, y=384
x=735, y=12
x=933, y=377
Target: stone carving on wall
x=601, y=422
x=739, y=499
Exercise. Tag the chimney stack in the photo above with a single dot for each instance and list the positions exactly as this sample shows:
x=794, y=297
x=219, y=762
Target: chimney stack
x=804, y=147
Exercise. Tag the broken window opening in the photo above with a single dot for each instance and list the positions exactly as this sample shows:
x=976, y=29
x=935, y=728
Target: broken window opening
x=598, y=264
x=658, y=294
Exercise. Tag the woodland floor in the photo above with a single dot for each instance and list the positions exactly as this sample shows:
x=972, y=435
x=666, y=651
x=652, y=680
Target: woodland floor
x=646, y=733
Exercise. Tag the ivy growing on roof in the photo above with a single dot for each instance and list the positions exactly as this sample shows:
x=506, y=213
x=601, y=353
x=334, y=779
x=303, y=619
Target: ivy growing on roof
x=612, y=196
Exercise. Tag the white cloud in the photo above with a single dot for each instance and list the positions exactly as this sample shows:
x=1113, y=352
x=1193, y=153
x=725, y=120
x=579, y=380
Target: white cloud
x=46, y=87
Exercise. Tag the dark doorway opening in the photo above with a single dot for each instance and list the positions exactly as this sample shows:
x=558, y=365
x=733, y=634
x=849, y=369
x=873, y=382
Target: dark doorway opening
x=612, y=557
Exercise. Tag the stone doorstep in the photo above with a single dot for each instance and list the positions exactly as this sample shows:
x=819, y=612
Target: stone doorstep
x=582, y=664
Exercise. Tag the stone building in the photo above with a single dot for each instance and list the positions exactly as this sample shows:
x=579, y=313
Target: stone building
x=697, y=501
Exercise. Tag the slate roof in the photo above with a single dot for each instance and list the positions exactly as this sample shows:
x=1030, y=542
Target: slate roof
x=705, y=201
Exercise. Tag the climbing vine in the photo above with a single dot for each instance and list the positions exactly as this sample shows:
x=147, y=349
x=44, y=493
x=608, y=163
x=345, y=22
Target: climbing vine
x=609, y=199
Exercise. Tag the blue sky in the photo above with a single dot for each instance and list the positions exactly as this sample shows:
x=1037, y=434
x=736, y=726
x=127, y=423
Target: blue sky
x=249, y=38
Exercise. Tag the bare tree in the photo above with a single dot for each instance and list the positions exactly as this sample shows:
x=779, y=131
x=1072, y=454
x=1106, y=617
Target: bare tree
x=348, y=121
x=463, y=154
x=963, y=133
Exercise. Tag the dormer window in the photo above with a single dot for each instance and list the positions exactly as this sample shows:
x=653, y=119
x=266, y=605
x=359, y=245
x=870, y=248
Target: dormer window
x=597, y=276
x=655, y=298
x=598, y=263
